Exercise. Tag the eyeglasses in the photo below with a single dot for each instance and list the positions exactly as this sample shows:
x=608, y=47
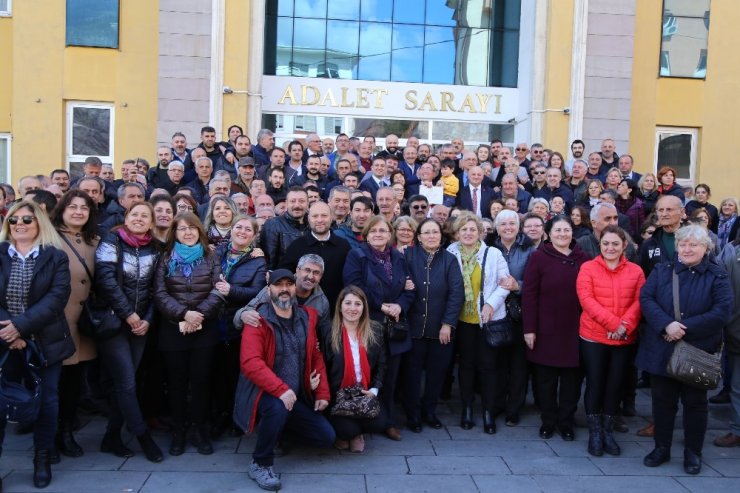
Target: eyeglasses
x=404, y=230
x=418, y=207
x=183, y=207
x=534, y=151
x=183, y=229
x=26, y=219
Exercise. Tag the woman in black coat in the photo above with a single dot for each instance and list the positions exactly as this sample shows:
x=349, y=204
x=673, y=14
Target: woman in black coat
x=34, y=289
x=705, y=304
x=380, y=271
x=243, y=268
x=124, y=270
x=355, y=342
x=186, y=294
x=432, y=318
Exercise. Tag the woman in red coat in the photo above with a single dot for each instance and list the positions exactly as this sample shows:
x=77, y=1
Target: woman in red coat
x=609, y=290
x=550, y=312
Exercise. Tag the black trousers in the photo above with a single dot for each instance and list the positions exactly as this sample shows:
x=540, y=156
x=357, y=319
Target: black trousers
x=558, y=391
x=431, y=357
x=189, y=369
x=388, y=392
x=476, y=360
x=225, y=377
x=605, y=368
x=513, y=375
x=151, y=384
x=666, y=392
x=348, y=428
x=70, y=389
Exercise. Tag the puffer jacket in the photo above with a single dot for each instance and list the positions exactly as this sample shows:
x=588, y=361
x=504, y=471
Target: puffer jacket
x=516, y=258
x=731, y=260
x=705, y=301
x=609, y=298
x=124, y=276
x=439, y=291
x=277, y=235
x=48, y=294
x=246, y=278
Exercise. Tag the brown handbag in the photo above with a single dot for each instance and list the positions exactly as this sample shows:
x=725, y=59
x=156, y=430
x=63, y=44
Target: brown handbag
x=352, y=403
x=689, y=364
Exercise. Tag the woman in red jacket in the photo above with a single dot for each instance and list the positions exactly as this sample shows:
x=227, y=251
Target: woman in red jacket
x=609, y=291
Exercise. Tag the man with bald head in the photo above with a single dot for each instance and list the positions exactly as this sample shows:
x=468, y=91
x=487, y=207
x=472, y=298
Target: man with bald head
x=510, y=190
x=391, y=147
x=661, y=247
x=476, y=196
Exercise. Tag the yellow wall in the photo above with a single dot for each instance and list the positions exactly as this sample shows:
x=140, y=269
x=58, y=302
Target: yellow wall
x=236, y=63
x=709, y=105
x=51, y=74
x=6, y=74
x=557, y=76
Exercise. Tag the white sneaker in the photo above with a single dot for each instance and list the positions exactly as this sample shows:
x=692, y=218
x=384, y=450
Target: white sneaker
x=264, y=476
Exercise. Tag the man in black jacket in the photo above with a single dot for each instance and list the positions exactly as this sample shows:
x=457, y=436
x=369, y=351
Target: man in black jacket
x=278, y=233
x=661, y=247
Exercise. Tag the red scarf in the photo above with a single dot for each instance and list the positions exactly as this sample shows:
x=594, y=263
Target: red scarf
x=349, y=378
x=132, y=240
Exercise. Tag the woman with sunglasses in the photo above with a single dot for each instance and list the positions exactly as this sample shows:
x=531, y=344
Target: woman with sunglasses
x=34, y=289
x=74, y=220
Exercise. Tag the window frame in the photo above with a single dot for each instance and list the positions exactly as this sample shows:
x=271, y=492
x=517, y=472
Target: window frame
x=8, y=154
x=669, y=131
x=69, y=119
x=118, y=32
x=662, y=52
x=8, y=12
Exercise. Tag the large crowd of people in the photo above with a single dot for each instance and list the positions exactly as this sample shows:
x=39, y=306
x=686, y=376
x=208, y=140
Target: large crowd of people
x=330, y=288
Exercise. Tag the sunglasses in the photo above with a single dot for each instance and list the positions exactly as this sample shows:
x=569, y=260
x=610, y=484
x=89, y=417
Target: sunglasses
x=521, y=148
x=26, y=219
x=538, y=172
x=418, y=207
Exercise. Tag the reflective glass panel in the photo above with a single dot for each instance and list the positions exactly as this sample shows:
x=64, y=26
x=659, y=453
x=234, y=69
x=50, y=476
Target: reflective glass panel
x=408, y=53
x=284, y=7
x=284, y=45
x=315, y=9
x=684, y=47
x=674, y=150
x=342, y=43
x=91, y=131
x=375, y=51
x=439, y=55
x=686, y=8
x=439, y=14
x=408, y=11
x=92, y=23
x=344, y=9
x=309, y=46
x=376, y=10
x=381, y=128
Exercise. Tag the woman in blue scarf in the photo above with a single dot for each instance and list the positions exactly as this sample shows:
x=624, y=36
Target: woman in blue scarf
x=187, y=298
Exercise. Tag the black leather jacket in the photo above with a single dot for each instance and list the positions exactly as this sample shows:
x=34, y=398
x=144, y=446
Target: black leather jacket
x=277, y=235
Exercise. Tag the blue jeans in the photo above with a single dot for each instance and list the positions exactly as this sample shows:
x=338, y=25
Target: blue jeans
x=734, y=363
x=45, y=426
x=310, y=426
x=120, y=357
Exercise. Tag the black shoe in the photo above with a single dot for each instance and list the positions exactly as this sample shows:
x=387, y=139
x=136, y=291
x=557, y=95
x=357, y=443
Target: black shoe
x=658, y=456
x=611, y=446
x=65, y=441
x=628, y=409
x=151, y=450
x=414, y=425
x=466, y=421
x=202, y=442
x=691, y=462
x=489, y=424
x=620, y=425
x=112, y=444
x=54, y=457
x=177, y=446
x=512, y=420
x=722, y=397
x=220, y=426
x=546, y=431
x=41, y=469
x=595, y=434
x=566, y=431
x=643, y=383
x=433, y=421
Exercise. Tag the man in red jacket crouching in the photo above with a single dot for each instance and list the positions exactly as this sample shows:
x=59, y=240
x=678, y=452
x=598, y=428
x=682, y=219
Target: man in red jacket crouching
x=287, y=384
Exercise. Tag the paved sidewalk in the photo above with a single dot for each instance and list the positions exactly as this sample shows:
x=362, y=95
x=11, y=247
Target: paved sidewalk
x=450, y=460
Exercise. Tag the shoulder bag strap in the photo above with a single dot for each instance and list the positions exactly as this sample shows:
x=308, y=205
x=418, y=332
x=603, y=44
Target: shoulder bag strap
x=79, y=257
x=483, y=275
x=676, y=307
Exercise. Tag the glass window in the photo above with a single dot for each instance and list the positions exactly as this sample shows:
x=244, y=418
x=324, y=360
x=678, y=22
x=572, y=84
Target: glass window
x=439, y=55
x=375, y=51
x=408, y=53
x=314, y=9
x=4, y=158
x=342, y=44
x=683, y=51
x=284, y=45
x=381, y=128
x=408, y=12
x=676, y=147
x=89, y=132
x=376, y=10
x=92, y=23
x=309, y=44
x=345, y=9
x=284, y=7
x=439, y=14
x=6, y=9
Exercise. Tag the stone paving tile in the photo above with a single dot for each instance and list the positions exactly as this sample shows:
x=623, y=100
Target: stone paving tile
x=579, y=448
x=190, y=463
x=323, y=464
x=418, y=484
x=91, y=461
x=410, y=445
x=715, y=485
x=726, y=467
x=221, y=482
x=78, y=482
x=612, y=484
x=324, y=483
x=499, y=484
x=709, y=451
x=457, y=465
x=557, y=466
x=632, y=466
x=492, y=448
x=509, y=433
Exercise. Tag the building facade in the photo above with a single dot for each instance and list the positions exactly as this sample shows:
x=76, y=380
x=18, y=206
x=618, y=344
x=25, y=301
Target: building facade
x=115, y=79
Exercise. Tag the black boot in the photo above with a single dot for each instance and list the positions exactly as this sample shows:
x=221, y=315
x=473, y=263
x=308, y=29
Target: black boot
x=466, y=421
x=691, y=462
x=112, y=444
x=151, y=450
x=65, y=441
x=177, y=446
x=595, y=442
x=41, y=469
x=610, y=445
x=201, y=441
x=489, y=423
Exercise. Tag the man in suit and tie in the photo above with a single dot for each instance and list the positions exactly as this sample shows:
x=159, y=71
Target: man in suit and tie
x=376, y=178
x=625, y=167
x=476, y=196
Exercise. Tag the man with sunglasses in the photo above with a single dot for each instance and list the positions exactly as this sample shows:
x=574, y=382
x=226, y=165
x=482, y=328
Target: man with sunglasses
x=538, y=176
x=418, y=207
x=521, y=150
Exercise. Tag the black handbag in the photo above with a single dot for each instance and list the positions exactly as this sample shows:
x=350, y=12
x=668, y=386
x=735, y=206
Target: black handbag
x=514, y=307
x=20, y=384
x=498, y=332
x=396, y=330
x=352, y=403
x=689, y=364
x=97, y=321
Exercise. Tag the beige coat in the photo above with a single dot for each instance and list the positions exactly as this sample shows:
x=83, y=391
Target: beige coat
x=81, y=284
